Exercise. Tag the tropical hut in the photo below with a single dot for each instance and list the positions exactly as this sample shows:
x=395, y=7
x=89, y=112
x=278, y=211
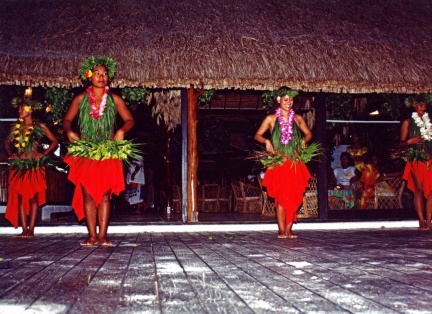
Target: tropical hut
x=317, y=46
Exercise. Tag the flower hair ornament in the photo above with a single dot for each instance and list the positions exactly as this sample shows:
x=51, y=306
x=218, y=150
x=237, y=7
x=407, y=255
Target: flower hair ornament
x=85, y=72
x=418, y=99
x=28, y=103
x=269, y=97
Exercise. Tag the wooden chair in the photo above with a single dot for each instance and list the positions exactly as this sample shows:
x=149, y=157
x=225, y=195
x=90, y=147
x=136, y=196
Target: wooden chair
x=268, y=208
x=225, y=198
x=176, y=199
x=210, y=198
x=248, y=198
x=388, y=192
x=310, y=200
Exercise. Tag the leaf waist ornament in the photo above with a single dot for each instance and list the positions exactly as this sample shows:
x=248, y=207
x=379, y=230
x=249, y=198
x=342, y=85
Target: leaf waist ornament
x=123, y=150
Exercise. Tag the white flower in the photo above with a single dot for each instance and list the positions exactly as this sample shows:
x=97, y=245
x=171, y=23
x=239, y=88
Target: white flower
x=424, y=124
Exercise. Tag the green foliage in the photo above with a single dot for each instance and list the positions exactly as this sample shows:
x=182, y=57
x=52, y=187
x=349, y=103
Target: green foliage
x=409, y=153
x=272, y=159
x=206, y=97
x=417, y=99
x=91, y=62
x=21, y=166
x=122, y=150
x=134, y=96
x=268, y=99
x=57, y=101
x=390, y=105
x=339, y=107
x=18, y=101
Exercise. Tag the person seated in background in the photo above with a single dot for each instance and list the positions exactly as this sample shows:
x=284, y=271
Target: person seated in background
x=346, y=175
x=358, y=151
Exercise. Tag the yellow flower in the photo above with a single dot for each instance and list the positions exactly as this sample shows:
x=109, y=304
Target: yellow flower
x=56, y=122
x=23, y=144
x=27, y=108
x=16, y=132
x=17, y=145
x=26, y=139
x=48, y=108
x=17, y=126
x=27, y=133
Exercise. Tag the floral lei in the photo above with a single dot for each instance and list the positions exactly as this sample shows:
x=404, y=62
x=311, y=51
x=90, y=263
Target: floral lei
x=286, y=127
x=424, y=124
x=94, y=113
x=20, y=141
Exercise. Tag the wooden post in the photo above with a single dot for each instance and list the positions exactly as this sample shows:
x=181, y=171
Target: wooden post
x=320, y=109
x=184, y=168
x=192, y=148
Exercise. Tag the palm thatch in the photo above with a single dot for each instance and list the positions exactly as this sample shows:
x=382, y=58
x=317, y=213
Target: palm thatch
x=356, y=46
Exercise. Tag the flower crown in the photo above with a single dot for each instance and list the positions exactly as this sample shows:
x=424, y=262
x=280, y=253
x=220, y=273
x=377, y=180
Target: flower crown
x=85, y=72
x=27, y=102
x=418, y=99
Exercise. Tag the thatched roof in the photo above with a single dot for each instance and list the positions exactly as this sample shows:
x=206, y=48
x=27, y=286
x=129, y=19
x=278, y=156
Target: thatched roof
x=357, y=46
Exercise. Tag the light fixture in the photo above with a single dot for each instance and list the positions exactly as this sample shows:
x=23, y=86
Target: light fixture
x=28, y=92
x=374, y=113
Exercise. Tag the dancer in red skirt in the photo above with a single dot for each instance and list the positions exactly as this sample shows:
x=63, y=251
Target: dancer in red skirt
x=94, y=169
x=287, y=182
x=416, y=137
x=27, y=182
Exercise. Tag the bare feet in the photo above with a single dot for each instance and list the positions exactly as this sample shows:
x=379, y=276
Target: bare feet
x=282, y=236
x=291, y=236
x=105, y=242
x=30, y=234
x=423, y=226
x=24, y=234
x=89, y=242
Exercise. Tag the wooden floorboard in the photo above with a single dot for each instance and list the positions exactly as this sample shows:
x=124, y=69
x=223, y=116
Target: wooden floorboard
x=323, y=271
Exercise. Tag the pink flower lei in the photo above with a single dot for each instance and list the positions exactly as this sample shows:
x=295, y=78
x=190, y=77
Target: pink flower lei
x=286, y=127
x=94, y=113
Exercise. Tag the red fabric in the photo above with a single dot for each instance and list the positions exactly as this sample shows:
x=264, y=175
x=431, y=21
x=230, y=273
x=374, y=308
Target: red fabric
x=97, y=177
x=27, y=186
x=287, y=184
x=419, y=168
x=369, y=176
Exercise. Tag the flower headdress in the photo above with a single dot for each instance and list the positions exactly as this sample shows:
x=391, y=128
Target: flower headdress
x=268, y=98
x=85, y=72
x=418, y=99
x=27, y=102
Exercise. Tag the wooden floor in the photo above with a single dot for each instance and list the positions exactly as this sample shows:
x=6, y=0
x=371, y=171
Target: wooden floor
x=337, y=271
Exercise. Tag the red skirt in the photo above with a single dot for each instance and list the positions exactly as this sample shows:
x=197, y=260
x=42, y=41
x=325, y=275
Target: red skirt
x=287, y=184
x=27, y=186
x=419, y=168
x=97, y=177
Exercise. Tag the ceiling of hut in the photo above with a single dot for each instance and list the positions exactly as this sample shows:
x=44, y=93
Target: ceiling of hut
x=356, y=46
